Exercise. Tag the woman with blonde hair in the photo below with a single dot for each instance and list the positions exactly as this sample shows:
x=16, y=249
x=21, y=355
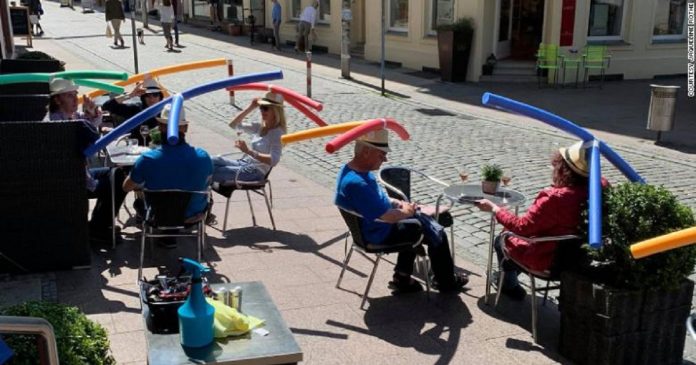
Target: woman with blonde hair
x=266, y=147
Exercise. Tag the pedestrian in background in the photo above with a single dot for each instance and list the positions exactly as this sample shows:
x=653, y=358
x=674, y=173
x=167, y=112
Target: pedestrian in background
x=35, y=12
x=113, y=11
x=166, y=12
x=308, y=20
x=275, y=16
x=178, y=8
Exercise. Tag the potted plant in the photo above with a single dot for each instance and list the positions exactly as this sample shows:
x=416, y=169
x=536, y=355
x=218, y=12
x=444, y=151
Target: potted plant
x=235, y=28
x=454, y=46
x=79, y=340
x=487, y=68
x=490, y=178
x=620, y=310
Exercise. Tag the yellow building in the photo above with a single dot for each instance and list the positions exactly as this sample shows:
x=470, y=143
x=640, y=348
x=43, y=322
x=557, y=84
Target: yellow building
x=645, y=38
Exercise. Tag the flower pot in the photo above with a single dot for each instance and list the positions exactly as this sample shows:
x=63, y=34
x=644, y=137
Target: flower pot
x=235, y=30
x=453, y=50
x=605, y=325
x=490, y=187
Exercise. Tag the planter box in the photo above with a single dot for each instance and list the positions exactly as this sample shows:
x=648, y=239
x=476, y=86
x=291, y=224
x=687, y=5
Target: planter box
x=454, y=49
x=23, y=66
x=603, y=325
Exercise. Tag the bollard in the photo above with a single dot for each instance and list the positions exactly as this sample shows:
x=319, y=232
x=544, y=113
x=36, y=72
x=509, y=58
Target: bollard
x=230, y=72
x=309, y=73
x=663, y=100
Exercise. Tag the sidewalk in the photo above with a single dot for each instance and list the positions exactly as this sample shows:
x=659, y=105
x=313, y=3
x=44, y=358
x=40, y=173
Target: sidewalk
x=299, y=263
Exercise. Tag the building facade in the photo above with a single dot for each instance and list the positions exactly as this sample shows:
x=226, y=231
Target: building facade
x=645, y=38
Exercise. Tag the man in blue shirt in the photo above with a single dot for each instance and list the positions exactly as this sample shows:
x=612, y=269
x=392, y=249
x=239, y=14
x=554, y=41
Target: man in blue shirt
x=357, y=190
x=275, y=16
x=181, y=167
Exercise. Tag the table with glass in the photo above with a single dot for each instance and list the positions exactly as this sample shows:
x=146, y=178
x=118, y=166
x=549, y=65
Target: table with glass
x=278, y=346
x=469, y=194
x=119, y=155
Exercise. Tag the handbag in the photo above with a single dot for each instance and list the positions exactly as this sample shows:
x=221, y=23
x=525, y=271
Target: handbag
x=109, y=34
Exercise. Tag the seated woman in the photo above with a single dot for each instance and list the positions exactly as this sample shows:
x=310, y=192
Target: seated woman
x=149, y=93
x=555, y=211
x=63, y=106
x=266, y=147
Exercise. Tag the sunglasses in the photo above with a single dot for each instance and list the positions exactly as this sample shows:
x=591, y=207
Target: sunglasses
x=264, y=108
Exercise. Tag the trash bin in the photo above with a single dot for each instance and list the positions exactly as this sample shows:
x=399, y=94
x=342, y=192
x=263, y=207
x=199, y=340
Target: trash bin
x=663, y=100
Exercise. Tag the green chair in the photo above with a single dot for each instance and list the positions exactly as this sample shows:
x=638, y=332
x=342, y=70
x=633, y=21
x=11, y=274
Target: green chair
x=595, y=58
x=548, y=59
x=572, y=61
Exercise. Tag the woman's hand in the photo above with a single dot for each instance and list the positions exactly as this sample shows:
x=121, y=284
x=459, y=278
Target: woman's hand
x=137, y=91
x=487, y=206
x=242, y=146
x=254, y=103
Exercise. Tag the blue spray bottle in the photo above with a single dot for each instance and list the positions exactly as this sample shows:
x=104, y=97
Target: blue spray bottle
x=196, y=315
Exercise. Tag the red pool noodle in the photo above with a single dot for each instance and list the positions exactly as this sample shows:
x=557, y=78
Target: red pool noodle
x=369, y=126
x=287, y=93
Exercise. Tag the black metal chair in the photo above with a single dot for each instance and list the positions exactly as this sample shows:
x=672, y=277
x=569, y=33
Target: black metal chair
x=259, y=187
x=353, y=221
x=565, y=258
x=166, y=217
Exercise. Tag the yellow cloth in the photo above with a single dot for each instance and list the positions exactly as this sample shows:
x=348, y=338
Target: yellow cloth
x=229, y=322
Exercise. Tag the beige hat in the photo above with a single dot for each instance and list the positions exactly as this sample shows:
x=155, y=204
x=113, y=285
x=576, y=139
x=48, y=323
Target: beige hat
x=378, y=139
x=575, y=157
x=60, y=86
x=151, y=86
x=271, y=99
x=164, y=116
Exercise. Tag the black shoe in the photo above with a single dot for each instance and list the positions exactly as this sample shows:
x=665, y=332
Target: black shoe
x=460, y=280
x=167, y=242
x=516, y=293
x=404, y=284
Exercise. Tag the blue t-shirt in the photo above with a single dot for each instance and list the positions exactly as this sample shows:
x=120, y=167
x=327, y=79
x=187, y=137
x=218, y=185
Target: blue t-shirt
x=359, y=192
x=180, y=167
x=275, y=13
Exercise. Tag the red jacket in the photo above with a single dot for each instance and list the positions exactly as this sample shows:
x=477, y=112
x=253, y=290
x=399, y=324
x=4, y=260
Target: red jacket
x=555, y=211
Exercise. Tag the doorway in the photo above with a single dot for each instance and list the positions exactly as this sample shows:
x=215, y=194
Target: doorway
x=527, y=28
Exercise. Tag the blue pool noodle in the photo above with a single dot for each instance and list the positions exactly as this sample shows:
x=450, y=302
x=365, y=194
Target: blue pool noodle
x=595, y=205
x=154, y=110
x=173, y=122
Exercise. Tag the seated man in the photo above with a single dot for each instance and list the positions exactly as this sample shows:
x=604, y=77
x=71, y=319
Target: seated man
x=357, y=190
x=181, y=167
x=63, y=105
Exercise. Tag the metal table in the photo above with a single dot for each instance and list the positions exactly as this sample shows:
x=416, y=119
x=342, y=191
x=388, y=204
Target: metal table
x=119, y=157
x=278, y=347
x=470, y=193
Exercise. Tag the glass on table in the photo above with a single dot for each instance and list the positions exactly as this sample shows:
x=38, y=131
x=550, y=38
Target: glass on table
x=144, y=132
x=463, y=174
x=506, y=180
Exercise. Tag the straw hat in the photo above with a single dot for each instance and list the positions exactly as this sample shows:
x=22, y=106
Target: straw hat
x=60, y=86
x=151, y=86
x=272, y=99
x=166, y=111
x=378, y=139
x=575, y=157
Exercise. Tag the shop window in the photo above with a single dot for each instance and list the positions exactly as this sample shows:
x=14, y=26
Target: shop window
x=295, y=9
x=439, y=12
x=397, y=16
x=324, y=11
x=606, y=19
x=200, y=9
x=670, y=16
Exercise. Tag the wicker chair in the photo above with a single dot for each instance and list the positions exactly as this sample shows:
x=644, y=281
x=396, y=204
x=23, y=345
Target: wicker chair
x=44, y=197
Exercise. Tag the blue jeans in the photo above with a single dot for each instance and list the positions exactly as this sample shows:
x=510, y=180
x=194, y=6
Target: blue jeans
x=511, y=270
x=230, y=170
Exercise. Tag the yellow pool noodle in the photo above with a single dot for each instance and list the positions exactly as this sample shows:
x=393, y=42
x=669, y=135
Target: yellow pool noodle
x=664, y=243
x=320, y=132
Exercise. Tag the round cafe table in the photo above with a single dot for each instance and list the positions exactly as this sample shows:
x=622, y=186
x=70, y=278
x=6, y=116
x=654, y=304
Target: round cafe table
x=469, y=194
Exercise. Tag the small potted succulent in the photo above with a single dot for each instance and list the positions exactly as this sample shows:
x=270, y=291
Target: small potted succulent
x=490, y=178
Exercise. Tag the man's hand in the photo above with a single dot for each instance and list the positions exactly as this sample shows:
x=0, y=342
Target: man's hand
x=88, y=106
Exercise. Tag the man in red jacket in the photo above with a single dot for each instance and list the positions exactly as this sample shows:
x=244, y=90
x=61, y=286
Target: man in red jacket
x=555, y=211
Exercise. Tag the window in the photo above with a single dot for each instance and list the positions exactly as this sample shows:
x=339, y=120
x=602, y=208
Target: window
x=295, y=9
x=397, y=15
x=439, y=12
x=606, y=19
x=669, y=19
x=324, y=11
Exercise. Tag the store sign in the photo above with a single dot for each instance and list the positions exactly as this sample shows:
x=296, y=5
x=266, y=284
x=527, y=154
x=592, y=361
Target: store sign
x=567, y=22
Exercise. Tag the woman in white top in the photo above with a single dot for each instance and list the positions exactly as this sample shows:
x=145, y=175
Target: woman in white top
x=166, y=12
x=266, y=147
